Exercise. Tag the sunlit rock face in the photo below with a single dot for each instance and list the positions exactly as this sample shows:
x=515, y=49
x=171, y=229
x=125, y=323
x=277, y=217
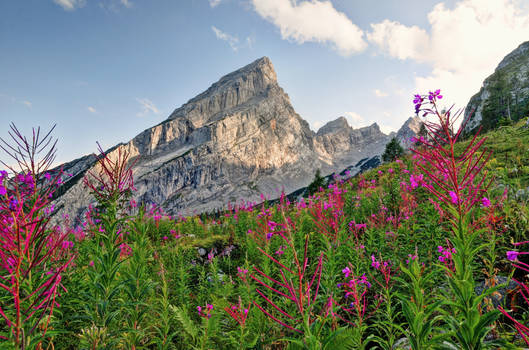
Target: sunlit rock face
x=505, y=93
x=237, y=140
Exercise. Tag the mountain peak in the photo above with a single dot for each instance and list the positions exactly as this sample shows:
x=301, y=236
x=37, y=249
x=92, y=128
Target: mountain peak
x=521, y=50
x=333, y=126
x=240, y=87
x=408, y=131
x=261, y=68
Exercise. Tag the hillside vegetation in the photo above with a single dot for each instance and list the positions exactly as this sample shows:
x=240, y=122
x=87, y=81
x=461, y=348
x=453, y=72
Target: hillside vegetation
x=395, y=258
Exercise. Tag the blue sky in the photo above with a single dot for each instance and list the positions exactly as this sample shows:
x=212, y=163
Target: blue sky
x=105, y=70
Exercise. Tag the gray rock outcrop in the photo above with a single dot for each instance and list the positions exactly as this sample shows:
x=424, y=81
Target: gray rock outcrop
x=238, y=139
x=504, y=94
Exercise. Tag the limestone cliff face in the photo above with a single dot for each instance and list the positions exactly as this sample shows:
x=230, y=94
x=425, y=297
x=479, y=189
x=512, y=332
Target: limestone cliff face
x=238, y=139
x=342, y=144
x=408, y=131
x=504, y=94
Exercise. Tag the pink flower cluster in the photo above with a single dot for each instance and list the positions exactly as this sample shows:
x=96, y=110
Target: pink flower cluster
x=205, y=311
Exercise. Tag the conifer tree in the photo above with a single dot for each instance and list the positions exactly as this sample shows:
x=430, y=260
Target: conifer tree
x=393, y=151
x=315, y=185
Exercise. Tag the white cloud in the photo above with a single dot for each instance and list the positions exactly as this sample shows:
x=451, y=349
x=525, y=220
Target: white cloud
x=27, y=103
x=463, y=46
x=214, y=3
x=126, y=3
x=355, y=119
x=70, y=5
x=313, y=21
x=147, y=106
x=379, y=93
x=233, y=41
x=91, y=109
x=399, y=40
x=250, y=41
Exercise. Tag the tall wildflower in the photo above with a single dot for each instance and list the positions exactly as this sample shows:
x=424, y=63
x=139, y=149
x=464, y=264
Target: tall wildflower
x=523, y=289
x=32, y=254
x=458, y=180
x=296, y=286
x=111, y=183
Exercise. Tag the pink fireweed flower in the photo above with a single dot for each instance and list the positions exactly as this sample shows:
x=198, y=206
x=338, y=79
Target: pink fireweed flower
x=512, y=255
x=346, y=272
x=446, y=256
x=241, y=273
x=411, y=257
x=355, y=299
x=205, y=311
x=522, y=290
x=453, y=197
x=125, y=250
x=374, y=262
x=280, y=251
x=385, y=268
x=432, y=96
x=238, y=313
x=211, y=254
x=485, y=202
x=67, y=244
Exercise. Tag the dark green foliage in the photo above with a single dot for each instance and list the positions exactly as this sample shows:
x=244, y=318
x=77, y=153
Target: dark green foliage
x=159, y=287
x=505, y=104
x=393, y=151
x=316, y=184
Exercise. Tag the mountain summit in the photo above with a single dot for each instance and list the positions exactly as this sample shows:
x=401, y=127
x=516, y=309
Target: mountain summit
x=239, y=138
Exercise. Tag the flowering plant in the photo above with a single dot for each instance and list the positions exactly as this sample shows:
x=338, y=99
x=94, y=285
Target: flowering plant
x=33, y=256
x=459, y=181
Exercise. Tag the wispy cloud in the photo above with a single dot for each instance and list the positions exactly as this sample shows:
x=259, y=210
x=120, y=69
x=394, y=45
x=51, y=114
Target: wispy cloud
x=458, y=61
x=355, y=119
x=115, y=5
x=250, y=41
x=91, y=109
x=70, y=5
x=126, y=3
x=379, y=93
x=214, y=3
x=233, y=41
x=13, y=99
x=147, y=107
x=313, y=21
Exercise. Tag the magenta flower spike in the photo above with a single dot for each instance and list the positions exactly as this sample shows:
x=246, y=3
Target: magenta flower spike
x=522, y=290
x=33, y=256
x=297, y=285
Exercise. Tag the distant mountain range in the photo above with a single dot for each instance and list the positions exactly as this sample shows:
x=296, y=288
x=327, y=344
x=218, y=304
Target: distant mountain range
x=235, y=141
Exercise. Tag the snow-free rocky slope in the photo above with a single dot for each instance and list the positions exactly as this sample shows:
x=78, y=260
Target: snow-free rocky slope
x=238, y=139
x=505, y=92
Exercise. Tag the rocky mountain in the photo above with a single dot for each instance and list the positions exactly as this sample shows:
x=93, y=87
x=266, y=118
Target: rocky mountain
x=408, y=131
x=504, y=94
x=238, y=139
